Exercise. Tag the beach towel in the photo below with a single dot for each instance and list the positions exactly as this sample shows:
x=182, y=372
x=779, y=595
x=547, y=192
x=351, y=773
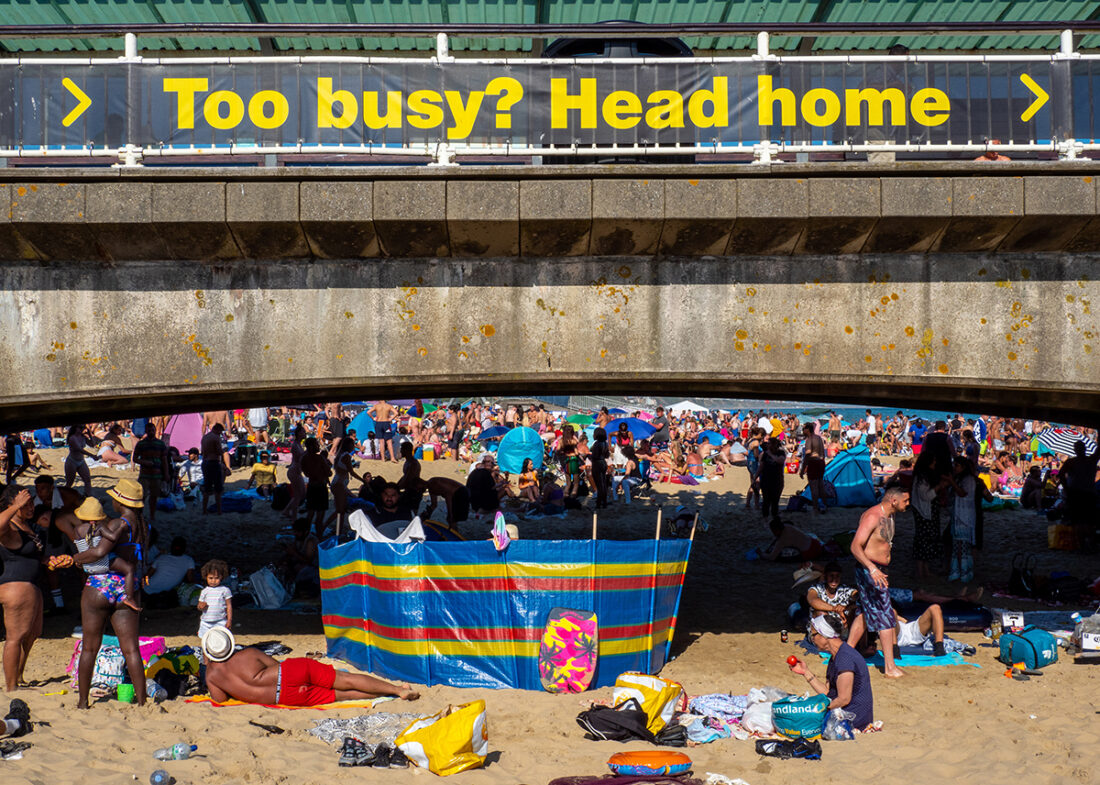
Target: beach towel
x=915, y=659
x=365, y=703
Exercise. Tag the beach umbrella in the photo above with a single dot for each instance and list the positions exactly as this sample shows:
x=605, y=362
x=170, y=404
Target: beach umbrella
x=1062, y=440
x=362, y=424
x=518, y=445
x=429, y=408
x=713, y=437
x=640, y=428
x=580, y=419
x=495, y=432
x=616, y=410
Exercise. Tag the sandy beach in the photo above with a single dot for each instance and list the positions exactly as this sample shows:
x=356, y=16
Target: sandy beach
x=956, y=724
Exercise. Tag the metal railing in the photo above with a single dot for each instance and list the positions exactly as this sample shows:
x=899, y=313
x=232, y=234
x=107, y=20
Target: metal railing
x=446, y=152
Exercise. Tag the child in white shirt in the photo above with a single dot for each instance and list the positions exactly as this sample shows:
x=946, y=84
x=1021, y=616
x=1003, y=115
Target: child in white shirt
x=216, y=600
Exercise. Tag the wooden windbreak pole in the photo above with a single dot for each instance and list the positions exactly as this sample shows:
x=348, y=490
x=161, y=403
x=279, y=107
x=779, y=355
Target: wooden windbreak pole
x=653, y=594
x=680, y=591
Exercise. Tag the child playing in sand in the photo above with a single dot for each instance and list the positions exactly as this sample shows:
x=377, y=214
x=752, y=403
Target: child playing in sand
x=215, y=601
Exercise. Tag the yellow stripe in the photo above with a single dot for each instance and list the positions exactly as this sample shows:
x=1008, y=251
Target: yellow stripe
x=420, y=648
x=511, y=570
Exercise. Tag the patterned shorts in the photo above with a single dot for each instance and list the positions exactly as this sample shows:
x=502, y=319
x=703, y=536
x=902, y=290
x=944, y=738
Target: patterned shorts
x=874, y=601
x=110, y=585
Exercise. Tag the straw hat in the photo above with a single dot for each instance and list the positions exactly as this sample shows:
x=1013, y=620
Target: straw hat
x=128, y=493
x=218, y=644
x=90, y=510
x=805, y=575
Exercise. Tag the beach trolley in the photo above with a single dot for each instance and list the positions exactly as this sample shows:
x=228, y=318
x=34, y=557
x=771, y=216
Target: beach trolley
x=467, y=615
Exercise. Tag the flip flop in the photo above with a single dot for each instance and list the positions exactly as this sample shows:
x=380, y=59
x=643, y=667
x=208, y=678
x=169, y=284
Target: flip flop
x=1020, y=677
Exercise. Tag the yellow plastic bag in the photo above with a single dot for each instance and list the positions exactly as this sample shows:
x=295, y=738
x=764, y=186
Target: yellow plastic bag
x=453, y=740
x=657, y=696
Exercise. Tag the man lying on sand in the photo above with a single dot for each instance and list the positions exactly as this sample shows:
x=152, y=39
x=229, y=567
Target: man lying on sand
x=251, y=676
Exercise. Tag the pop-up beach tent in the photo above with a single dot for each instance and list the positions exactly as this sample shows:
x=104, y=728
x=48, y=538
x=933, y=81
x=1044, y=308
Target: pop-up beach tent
x=850, y=473
x=183, y=432
x=467, y=615
x=518, y=445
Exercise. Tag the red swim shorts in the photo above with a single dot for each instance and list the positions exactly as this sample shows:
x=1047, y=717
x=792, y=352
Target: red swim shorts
x=306, y=682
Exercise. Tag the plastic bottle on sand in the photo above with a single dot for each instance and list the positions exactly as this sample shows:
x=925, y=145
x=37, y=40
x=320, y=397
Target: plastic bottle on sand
x=175, y=752
x=160, y=777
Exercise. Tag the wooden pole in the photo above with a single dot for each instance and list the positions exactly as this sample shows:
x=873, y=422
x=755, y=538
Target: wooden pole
x=680, y=591
x=653, y=595
x=594, y=525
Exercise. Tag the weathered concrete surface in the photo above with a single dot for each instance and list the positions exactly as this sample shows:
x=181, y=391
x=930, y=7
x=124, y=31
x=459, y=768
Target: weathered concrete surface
x=548, y=211
x=1010, y=333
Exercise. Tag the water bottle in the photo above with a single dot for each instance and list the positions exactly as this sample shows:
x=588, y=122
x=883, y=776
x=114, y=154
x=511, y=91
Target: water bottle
x=155, y=691
x=179, y=751
x=160, y=777
x=995, y=625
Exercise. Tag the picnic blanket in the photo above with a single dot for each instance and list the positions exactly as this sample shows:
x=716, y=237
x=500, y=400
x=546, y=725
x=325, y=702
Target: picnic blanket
x=365, y=703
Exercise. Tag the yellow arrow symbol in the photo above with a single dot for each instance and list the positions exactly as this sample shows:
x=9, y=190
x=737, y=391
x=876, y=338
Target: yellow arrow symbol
x=1041, y=97
x=82, y=101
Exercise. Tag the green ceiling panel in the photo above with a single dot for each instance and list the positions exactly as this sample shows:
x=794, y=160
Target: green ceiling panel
x=756, y=12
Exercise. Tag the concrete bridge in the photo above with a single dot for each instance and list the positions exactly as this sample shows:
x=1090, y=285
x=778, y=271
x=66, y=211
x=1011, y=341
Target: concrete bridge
x=950, y=285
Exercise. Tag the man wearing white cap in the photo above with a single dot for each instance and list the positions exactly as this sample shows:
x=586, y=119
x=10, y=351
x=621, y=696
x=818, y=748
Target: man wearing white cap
x=251, y=676
x=848, y=682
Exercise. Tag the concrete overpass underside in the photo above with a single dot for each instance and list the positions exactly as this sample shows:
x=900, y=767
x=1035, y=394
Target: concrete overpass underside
x=150, y=291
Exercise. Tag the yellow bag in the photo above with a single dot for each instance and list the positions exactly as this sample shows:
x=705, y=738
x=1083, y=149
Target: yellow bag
x=448, y=742
x=1061, y=537
x=657, y=697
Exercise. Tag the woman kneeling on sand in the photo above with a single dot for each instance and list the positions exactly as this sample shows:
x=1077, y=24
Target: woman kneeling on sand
x=105, y=592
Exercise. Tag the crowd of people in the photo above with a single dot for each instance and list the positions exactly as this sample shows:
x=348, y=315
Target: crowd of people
x=53, y=524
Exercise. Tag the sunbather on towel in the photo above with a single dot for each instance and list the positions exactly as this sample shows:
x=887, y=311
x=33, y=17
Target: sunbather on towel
x=926, y=631
x=251, y=676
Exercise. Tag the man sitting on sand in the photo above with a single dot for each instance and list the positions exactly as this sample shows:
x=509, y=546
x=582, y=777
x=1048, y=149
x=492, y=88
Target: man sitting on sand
x=251, y=676
x=838, y=603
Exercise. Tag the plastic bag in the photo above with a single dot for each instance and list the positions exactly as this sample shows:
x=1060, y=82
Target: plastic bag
x=800, y=718
x=267, y=590
x=766, y=694
x=453, y=740
x=758, y=719
x=838, y=726
x=658, y=697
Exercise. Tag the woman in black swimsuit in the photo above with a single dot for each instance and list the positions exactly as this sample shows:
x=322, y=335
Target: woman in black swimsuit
x=22, y=545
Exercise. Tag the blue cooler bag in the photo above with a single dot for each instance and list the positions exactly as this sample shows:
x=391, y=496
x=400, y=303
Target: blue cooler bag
x=800, y=718
x=1033, y=647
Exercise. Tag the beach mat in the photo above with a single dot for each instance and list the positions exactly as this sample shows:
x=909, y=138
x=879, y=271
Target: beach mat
x=913, y=658
x=355, y=704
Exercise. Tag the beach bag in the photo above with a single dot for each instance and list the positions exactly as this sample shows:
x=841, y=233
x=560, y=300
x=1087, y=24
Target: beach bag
x=1034, y=647
x=267, y=590
x=625, y=722
x=280, y=497
x=1021, y=581
x=758, y=719
x=452, y=740
x=1061, y=537
x=657, y=697
x=800, y=718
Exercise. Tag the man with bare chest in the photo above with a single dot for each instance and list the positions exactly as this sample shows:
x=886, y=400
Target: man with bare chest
x=251, y=676
x=871, y=547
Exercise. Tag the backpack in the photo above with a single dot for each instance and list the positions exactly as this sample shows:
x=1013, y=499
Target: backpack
x=625, y=722
x=1034, y=647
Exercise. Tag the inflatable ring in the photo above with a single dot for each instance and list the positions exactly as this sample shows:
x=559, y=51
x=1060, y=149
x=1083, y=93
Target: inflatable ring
x=649, y=762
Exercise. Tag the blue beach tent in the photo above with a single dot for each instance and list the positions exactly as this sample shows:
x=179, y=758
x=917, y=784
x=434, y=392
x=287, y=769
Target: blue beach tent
x=850, y=473
x=362, y=424
x=518, y=445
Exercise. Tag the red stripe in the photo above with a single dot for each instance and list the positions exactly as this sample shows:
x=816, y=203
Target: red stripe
x=481, y=634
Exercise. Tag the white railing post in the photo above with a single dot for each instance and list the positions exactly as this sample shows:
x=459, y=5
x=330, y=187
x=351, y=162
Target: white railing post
x=763, y=44
x=129, y=157
x=1066, y=49
x=130, y=48
x=443, y=48
x=443, y=155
